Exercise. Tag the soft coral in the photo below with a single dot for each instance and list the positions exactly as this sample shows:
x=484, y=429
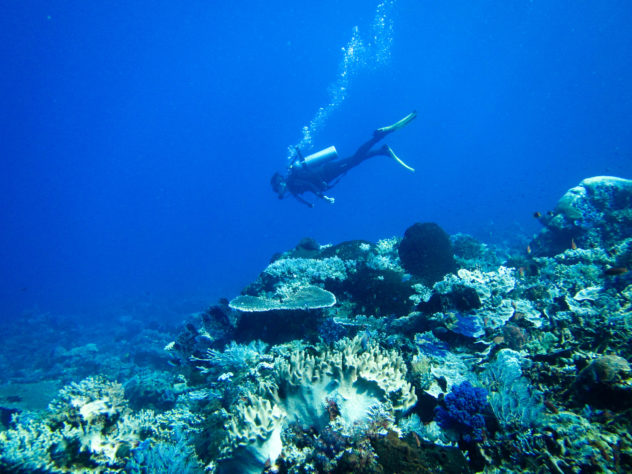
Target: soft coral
x=463, y=411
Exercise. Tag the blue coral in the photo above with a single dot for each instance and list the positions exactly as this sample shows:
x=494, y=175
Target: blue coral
x=430, y=345
x=468, y=326
x=176, y=457
x=463, y=412
x=330, y=331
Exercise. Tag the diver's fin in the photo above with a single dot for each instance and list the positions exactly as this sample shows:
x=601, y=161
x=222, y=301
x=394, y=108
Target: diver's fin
x=392, y=154
x=397, y=125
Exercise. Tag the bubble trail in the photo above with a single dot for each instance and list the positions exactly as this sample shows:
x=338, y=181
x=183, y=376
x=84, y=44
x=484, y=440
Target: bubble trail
x=358, y=55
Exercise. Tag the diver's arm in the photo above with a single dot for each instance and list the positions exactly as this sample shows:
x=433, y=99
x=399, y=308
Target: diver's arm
x=304, y=201
x=330, y=200
x=307, y=185
x=320, y=194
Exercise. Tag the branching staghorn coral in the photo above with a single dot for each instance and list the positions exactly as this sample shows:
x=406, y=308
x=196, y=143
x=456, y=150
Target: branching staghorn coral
x=87, y=428
x=234, y=357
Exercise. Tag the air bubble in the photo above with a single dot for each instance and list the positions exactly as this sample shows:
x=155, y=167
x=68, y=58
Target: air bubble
x=357, y=56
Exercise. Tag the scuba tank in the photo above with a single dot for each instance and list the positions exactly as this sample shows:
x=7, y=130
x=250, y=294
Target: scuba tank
x=316, y=159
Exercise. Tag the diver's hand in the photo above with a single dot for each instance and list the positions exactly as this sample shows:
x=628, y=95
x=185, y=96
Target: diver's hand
x=329, y=200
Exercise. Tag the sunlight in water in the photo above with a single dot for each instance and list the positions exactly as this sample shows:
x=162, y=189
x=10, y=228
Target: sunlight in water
x=358, y=55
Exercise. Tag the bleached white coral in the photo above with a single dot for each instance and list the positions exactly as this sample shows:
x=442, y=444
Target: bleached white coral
x=386, y=368
x=359, y=378
x=526, y=309
x=254, y=434
x=422, y=293
x=453, y=370
x=308, y=270
x=27, y=445
x=93, y=400
x=385, y=246
x=384, y=256
x=89, y=425
x=493, y=290
x=305, y=297
x=382, y=262
x=256, y=419
x=354, y=374
x=499, y=282
x=429, y=432
x=234, y=357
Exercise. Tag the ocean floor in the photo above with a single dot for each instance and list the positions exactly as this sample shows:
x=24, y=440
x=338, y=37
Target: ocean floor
x=423, y=353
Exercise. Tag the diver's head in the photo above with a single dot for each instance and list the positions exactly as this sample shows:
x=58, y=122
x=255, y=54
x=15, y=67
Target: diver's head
x=279, y=184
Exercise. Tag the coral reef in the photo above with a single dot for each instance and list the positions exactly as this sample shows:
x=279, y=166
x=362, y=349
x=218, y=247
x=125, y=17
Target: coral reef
x=151, y=389
x=606, y=383
x=340, y=387
x=254, y=433
x=463, y=412
x=427, y=353
x=88, y=424
x=88, y=427
x=178, y=458
x=514, y=402
x=409, y=456
x=595, y=213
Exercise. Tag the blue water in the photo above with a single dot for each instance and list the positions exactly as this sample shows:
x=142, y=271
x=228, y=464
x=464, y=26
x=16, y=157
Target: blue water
x=137, y=139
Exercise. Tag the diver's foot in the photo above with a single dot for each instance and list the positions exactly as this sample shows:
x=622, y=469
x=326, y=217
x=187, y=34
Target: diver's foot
x=392, y=154
x=397, y=125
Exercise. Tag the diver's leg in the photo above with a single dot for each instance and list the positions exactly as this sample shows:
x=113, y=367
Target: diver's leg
x=333, y=170
x=362, y=153
x=382, y=132
x=336, y=168
x=388, y=151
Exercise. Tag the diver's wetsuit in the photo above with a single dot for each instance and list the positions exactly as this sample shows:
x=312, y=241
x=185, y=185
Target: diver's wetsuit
x=322, y=177
x=318, y=179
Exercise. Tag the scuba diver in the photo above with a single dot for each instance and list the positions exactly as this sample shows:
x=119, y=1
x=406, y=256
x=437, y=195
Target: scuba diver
x=321, y=171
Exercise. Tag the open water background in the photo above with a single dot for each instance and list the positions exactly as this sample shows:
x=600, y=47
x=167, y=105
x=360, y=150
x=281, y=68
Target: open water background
x=137, y=139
